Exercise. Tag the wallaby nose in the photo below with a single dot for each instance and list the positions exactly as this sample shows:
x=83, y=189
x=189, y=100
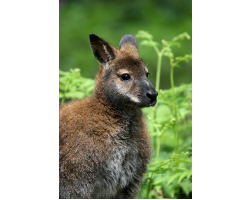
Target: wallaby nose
x=152, y=94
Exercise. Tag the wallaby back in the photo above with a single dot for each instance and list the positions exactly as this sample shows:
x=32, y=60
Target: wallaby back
x=104, y=143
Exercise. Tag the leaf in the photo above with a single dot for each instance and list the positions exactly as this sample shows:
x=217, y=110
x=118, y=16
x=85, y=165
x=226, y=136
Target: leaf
x=169, y=54
x=60, y=95
x=176, y=65
x=186, y=186
x=149, y=43
x=185, y=58
x=181, y=36
x=172, y=178
x=167, y=48
x=182, y=112
x=174, y=44
x=160, y=180
x=143, y=34
x=182, y=176
x=154, y=134
x=161, y=101
x=61, y=87
x=169, y=190
x=63, y=73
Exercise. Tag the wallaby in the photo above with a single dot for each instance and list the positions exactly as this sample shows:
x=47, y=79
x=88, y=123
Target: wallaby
x=104, y=143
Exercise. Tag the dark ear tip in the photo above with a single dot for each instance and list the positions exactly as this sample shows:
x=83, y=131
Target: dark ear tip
x=93, y=37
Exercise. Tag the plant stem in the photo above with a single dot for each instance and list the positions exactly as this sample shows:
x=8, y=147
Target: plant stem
x=158, y=72
x=154, y=138
x=157, y=83
x=158, y=147
x=149, y=184
x=158, y=143
x=176, y=138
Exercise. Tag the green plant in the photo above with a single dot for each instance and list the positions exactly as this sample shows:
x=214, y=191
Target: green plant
x=179, y=103
x=72, y=86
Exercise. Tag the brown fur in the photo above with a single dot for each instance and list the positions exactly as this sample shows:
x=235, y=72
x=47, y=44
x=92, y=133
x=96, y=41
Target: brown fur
x=96, y=129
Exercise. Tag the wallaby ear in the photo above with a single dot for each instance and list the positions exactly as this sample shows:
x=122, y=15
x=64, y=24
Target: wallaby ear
x=128, y=39
x=101, y=49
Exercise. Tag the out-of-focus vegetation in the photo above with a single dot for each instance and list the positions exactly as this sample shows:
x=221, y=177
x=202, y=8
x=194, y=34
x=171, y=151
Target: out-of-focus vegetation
x=169, y=174
x=111, y=20
x=72, y=86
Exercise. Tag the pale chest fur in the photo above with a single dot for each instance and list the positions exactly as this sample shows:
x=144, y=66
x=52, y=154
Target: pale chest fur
x=119, y=170
x=127, y=161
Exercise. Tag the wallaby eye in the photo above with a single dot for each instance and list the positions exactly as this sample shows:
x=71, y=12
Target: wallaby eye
x=125, y=77
x=147, y=73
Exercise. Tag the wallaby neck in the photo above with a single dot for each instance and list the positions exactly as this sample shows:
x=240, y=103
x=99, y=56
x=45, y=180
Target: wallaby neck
x=116, y=109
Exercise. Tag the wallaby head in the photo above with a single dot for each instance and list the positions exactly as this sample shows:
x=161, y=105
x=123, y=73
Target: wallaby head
x=123, y=76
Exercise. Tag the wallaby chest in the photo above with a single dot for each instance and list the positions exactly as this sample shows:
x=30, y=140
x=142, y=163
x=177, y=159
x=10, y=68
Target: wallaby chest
x=124, y=162
x=118, y=171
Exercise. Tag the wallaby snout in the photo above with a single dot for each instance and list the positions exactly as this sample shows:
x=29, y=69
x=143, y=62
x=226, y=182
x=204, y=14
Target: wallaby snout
x=151, y=95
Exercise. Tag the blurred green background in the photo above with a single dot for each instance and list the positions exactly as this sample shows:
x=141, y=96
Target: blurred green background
x=112, y=19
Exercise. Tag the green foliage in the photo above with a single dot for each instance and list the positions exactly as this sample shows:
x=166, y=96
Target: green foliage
x=169, y=174
x=72, y=86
